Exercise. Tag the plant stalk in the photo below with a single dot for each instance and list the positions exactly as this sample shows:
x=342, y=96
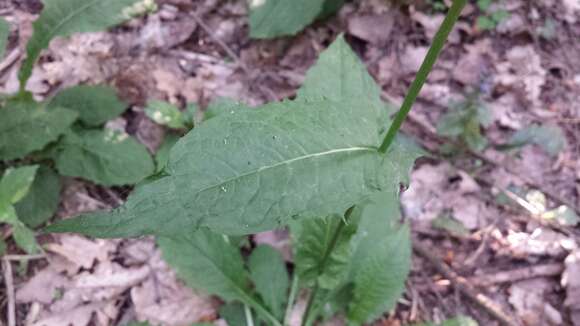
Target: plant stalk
x=323, y=263
x=291, y=299
x=426, y=67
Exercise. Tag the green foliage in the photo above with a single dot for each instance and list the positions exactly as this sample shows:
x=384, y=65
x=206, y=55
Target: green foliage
x=95, y=104
x=168, y=115
x=464, y=121
x=66, y=17
x=233, y=313
x=207, y=261
x=41, y=202
x=162, y=155
x=106, y=157
x=381, y=261
x=270, y=277
x=15, y=183
x=550, y=137
x=274, y=18
x=451, y=225
x=14, y=186
x=4, y=32
x=320, y=259
x=267, y=165
x=490, y=18
x=28, y=126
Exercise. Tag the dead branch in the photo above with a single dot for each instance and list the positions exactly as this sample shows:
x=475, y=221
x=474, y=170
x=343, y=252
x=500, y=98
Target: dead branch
x=463, y=286
x=546, y=270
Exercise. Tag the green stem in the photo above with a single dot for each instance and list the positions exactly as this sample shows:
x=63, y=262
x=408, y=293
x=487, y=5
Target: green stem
x=421, y=77
x=249, y=318
x=323, y=262
x=291, y=298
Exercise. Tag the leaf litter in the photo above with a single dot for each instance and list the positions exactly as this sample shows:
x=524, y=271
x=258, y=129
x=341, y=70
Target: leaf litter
x=92, y=288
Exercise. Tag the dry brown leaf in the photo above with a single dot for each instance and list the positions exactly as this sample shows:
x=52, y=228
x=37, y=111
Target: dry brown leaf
x=523, y=69
x=81, y=252
x=413, y=57
x=43, y=287
x=571, y=282
x=431, y=194
x=471, y=66
x=375, y=29
x=78, y=316
x=163, y=300
x=528, y=298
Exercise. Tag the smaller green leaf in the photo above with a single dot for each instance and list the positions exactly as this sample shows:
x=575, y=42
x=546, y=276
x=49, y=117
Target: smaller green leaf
x=484, y=4
x=8, y=214
x=95, y=104
x=16, y=182
x=205, y=260
x=381, y=261
x=42, y=200
x=165, y=114
x=485, y=23
x=162, y=155
x=28, y=126
x=500, y=15
x=234, y=314
x=66, y=17
x=270, y=277
x=550, y=137
x=451, y=225
x=563, y=215
x=312, y=238
x=24, y=238
x=106, y=157
x=273, y=18
x=222, y=106
x=4, y=32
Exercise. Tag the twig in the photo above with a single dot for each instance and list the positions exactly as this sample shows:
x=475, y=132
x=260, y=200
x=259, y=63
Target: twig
x=463, y=286
x=9, y=281
x=10, y=59
x=24, y=257
x=547, y=270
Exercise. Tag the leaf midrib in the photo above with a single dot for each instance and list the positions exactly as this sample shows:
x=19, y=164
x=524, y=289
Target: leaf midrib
x=286, y=162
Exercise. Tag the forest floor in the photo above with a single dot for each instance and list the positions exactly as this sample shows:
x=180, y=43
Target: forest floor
x=486, y=216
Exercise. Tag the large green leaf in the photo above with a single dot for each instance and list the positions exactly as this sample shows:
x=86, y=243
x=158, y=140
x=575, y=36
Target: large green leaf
x=253, y=170
x=15, y=183
x=273, y=18
x=270, y=278
x=39, y=205
x=95, y=104
x=207, y=261
x=381, y=261
x=66, y=17
x=105, y=157
x=27, y=126
x=4, y=32
x=312, y=240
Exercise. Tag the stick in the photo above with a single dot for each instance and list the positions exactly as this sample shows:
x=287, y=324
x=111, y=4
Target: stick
x=9, y=281
x=546, y=270
x=464, y=287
